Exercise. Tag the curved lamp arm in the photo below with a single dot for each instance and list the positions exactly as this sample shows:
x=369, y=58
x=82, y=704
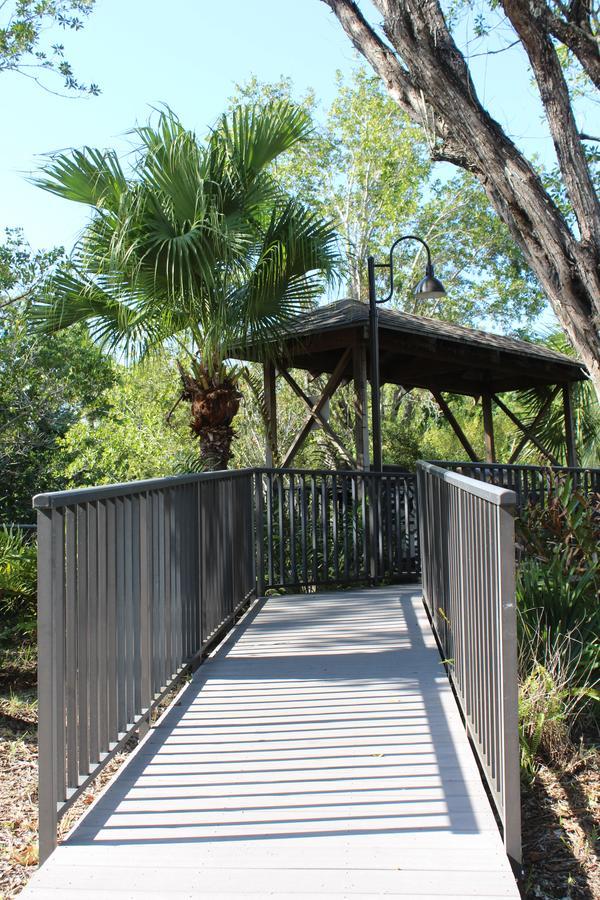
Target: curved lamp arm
x=390, y=265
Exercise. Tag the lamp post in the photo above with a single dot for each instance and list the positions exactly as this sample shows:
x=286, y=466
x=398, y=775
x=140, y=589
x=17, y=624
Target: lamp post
x=428, y=286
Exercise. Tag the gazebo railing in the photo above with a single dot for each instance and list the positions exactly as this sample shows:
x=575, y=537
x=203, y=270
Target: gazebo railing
x=323, y=528
x=468, y=565
x=531, y=484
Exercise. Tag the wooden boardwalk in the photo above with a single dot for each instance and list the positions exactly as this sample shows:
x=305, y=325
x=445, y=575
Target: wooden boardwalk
x=318, y=753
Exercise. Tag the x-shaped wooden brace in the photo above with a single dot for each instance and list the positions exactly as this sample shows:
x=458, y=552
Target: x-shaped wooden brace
x=316, y=411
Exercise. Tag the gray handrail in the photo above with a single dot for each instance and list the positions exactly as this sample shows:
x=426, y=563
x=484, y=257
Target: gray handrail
x=490, y=492
x=56, y=499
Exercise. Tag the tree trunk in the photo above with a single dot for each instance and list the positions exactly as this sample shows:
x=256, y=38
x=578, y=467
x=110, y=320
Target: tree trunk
x=432, y=83
x=214, y=405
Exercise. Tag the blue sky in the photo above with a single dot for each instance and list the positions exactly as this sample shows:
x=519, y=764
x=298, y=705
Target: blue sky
x=190, y=54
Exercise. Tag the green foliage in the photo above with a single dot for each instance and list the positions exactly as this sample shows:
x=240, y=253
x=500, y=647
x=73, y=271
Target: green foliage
x=47, y=382
x=131, y=439
x=543, y=718
x=550, y=430
x=22, y=32
x=559, y=577
x=18, y=586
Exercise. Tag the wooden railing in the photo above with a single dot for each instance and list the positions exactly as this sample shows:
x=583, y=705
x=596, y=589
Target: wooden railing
x=468, y=576
x=135, y=581
x=531, y=484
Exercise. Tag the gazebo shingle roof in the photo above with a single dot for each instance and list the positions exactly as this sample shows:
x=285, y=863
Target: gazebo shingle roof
x=421, y=352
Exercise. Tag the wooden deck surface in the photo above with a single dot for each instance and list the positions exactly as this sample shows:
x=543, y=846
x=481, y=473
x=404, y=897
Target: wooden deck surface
x=318, y=753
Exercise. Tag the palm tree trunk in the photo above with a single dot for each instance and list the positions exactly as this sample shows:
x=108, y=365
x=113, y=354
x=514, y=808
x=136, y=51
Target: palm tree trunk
x=215, y=445
x=214, y=401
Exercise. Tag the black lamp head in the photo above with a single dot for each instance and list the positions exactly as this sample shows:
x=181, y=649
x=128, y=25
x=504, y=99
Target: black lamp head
x=430, y=286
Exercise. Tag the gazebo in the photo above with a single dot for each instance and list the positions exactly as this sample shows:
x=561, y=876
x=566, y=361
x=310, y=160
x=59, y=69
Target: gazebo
x=415, y=352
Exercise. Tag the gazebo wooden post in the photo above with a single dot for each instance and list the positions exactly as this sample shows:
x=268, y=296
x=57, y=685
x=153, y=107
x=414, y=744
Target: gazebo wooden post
x=569, y=426
x=488, y=428
x=269, y=376
x=361, y=417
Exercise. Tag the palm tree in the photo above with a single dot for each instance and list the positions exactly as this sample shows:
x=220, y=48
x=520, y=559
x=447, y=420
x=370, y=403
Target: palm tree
x=197, y=247
x=550, y=428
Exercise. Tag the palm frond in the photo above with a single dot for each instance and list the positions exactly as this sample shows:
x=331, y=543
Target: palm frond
x=550, y=430
x=199, y=240
x=296, y=258
x=255, y=135
x=89, y=176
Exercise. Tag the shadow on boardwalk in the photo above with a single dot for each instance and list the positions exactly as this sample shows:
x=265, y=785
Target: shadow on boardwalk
x=318, y=753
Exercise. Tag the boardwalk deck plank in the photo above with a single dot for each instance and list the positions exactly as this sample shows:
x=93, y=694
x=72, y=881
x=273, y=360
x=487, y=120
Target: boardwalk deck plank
x=318, y=753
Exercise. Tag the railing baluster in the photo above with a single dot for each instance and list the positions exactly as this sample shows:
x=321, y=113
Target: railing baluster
x=111, y=621
x=293, y=579
x=365, y=573
x=270, y=545
x=303, y=529
x=128, y=599
x=82, y=642
x=259, y=533
x=156, y=603
x=92, y=623
x=102, y=636
x=325, y=527
x=71, y=646
x=334, y=523
x=280, y=502
x=344, y=481
x=120, y=619
x=136, y=699
x=314, y=526
x=145, y=581
x=354, y=502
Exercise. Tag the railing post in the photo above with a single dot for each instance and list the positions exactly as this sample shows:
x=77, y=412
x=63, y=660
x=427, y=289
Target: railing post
x=50, y=672
x=510, y=686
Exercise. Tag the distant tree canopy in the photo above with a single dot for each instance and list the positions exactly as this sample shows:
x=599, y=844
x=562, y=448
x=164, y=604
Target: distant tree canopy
x=420, y=53
x=368, y=168
x=47, y=382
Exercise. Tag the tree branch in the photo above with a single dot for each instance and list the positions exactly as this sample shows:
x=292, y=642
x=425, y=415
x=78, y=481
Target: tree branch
x=576, y=34
x=554, y=94
x=383, y=60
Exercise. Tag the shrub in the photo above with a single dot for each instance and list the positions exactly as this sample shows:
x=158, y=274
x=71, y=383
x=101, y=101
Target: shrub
x=18, y=584
x=556, y=688
x=558, y=582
